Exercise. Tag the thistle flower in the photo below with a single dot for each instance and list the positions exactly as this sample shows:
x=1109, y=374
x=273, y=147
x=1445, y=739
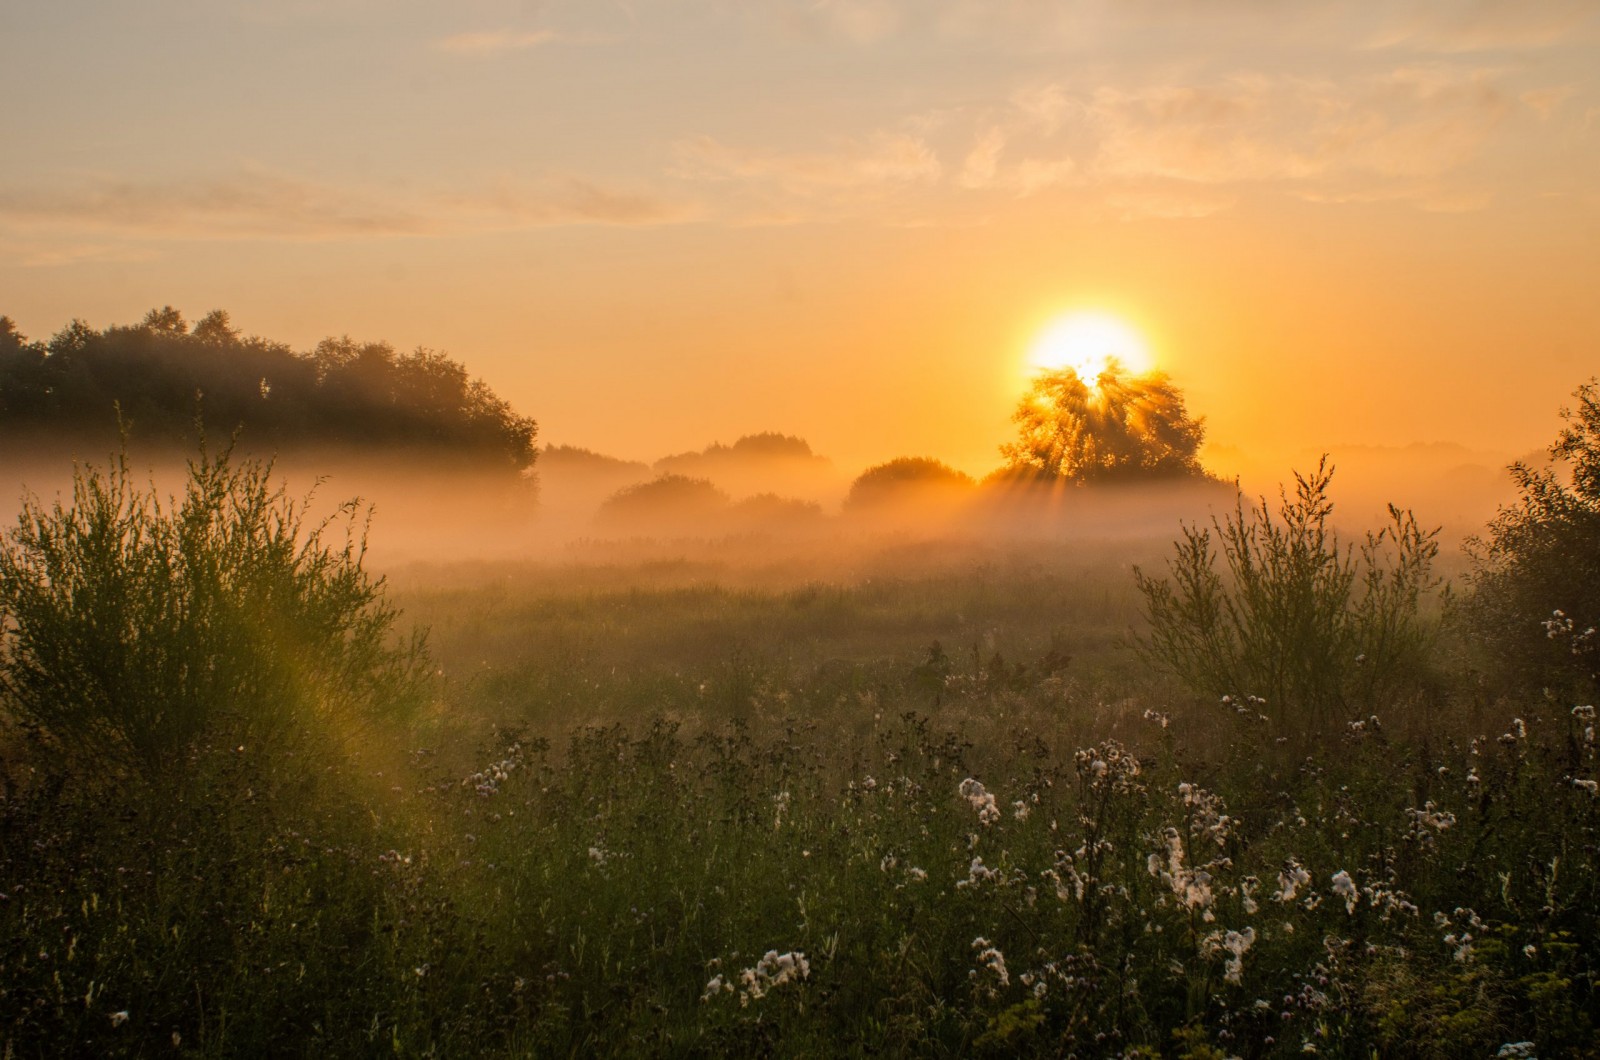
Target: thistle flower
x=1344, y=887
x=981, y=800
x=992, y=959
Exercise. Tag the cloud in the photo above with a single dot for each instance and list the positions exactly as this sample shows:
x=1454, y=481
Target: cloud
x=494, y=42
x=1483, y=25
x=885, y=159
x=1412, y=122
x=258, y=205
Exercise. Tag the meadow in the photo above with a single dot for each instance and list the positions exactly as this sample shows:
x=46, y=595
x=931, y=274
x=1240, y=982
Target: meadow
x=917, y=798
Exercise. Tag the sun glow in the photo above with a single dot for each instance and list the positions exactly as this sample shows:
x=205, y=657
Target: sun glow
x=1088, y=343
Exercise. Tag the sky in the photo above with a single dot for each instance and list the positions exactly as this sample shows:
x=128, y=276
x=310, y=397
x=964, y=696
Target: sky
x=656, y=225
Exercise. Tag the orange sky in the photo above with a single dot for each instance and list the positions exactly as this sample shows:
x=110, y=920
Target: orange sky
x=653, y=226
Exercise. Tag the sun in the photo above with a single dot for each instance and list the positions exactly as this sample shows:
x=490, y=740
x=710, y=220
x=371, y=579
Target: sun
x=1088, y=343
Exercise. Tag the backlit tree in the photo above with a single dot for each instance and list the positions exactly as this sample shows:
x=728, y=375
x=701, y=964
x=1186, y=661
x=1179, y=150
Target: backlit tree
x=1116, y=428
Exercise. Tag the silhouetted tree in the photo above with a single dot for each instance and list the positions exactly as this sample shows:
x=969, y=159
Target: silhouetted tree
x=357, y=395
x=1536, y=572
x=1120, y=428
x=908, y=478
x=671, y=502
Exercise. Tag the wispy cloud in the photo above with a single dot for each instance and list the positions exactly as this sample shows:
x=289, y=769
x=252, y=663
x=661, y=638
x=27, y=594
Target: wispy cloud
x=259, y=205
x=495, y=42
x=1483, y=25
x=885, y=159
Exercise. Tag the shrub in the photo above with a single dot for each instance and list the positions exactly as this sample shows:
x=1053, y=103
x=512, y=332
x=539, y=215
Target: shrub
x=1536, y=574
x=907, y=480
x=133, y=627
x=1294, y=618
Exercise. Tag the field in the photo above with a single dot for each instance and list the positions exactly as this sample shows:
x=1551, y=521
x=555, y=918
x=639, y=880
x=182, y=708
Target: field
x=913, y=799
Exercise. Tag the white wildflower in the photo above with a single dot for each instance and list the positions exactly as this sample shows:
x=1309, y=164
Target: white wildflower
x=992, y=959
x=1345, y=888
x=772, y=971
x=1290, y=880
x=981, y=800
x=1234, y=943
x=978, y=873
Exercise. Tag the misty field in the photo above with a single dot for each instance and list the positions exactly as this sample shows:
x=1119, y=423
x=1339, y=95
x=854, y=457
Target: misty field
x=914, y=798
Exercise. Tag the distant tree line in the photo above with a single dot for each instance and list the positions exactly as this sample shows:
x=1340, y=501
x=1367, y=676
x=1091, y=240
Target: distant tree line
x=162, y=374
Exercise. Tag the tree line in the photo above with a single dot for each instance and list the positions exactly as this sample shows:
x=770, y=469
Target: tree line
x=154, y=379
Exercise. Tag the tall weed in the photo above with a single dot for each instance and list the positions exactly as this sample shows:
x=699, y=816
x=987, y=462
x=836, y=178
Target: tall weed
x=1292, y=620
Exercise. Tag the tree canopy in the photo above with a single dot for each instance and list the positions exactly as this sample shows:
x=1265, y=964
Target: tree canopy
x=161, y=374
x=1119, y=428
x=1536, y=571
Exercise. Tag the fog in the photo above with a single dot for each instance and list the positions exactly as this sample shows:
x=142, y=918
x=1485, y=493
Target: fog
x=771, y=513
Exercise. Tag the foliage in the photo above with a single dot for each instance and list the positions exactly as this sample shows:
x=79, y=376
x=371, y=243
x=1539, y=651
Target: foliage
x=668, y=502
x=134, y=628
x=1293, y=618
x=907, y=478
x=1113, y=429
x=1536, y=573
x=341, y=394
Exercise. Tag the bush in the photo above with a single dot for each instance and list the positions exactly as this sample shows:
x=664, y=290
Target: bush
x=907, y=480
x=133, y=627
x=1295, y=619
x=1536, y=575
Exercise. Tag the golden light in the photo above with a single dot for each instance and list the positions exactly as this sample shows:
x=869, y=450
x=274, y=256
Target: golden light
x=1087, y=343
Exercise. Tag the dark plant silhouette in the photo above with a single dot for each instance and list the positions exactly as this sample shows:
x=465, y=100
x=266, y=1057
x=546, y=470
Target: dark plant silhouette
x=343, y=393
x=1536, y=571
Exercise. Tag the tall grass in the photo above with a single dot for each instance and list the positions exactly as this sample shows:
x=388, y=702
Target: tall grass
x=907, y=817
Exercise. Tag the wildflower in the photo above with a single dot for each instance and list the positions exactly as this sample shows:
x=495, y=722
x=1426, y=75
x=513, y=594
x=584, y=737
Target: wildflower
x=772, y=971
x=119, y=1018
x=1234, y=943
x=1020, y=810
x=978, y=873
x=992, y=959
x=717, y=986
x=1247, y=890
x=981, y=800
x=1290, y=880
x=1345, y=888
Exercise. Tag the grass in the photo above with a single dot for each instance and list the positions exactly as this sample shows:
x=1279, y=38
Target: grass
x=667, y=810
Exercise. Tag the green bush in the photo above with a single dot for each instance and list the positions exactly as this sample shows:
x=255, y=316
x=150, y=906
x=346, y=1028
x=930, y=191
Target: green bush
x=133, y=627
x=1536, y=574
x=1293, y=618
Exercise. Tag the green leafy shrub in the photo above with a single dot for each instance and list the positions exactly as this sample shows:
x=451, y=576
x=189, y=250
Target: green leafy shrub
x=133, y=627
x=1536, y=573
x=1292, y=617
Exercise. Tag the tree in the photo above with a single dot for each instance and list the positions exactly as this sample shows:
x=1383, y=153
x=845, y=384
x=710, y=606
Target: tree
x=1119, y=428
x=907, y=479
x=1536, y=572
x=216, y=329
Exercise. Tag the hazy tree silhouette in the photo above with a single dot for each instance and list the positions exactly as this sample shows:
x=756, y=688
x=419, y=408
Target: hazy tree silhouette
x=344, y=393
x=1117, y=428
x=906, y=479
